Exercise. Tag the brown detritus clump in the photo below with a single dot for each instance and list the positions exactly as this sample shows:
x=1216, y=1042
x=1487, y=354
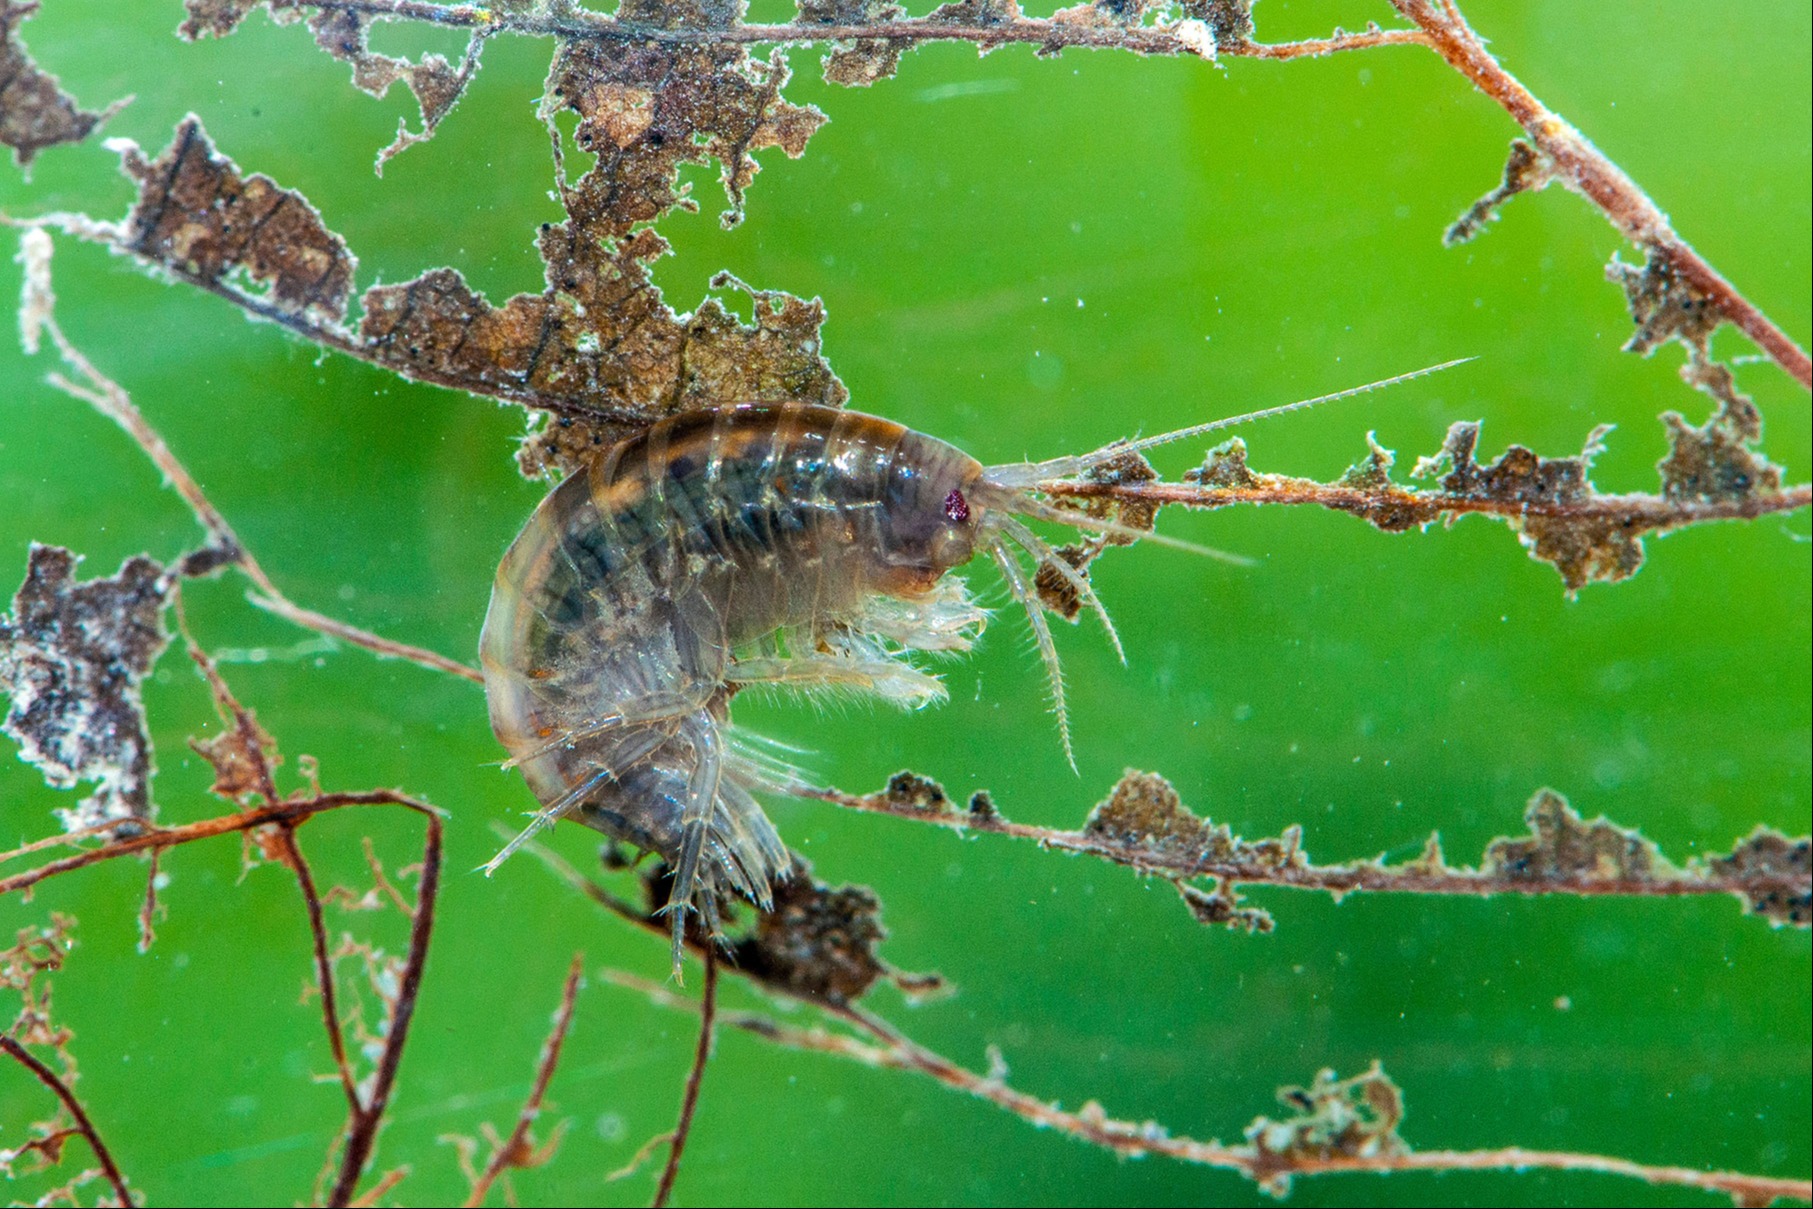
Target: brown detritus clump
x=1225, y=466
x=1221, y=907
x=776, y=359
x=436, y=83
x=1527, y=170
x=1335, y=1118
x=1600, y=549
x=982, y=807
x=214, y=18
x=1381, y=503
x=910, y=791
x=976, y=14
x=235, y=762
x=600, y=335
x=1663, y=305
x=34, y=112
x=1518, y=476
x=1563, y=847
x=1229, y=21
x=1129, y=468
x=1374, y=472
x=244, y=754
x=1056, y=592
x=1715, y=461
x=859, y=63
x=681, y=14
x=1770, y=854
x=1118, y=15
x=818, y=942
x=1596, y=546
x=72, y=658
x=1144, y=811
x=197, y=215
x=647, y=108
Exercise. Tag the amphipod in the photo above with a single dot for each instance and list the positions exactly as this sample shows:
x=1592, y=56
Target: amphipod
x=791, y=545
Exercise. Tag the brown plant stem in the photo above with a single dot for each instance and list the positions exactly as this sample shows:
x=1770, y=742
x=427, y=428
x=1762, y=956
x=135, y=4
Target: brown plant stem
x=1299, y=874
x=324, y=965
x=1050, y=36
x=151, y=838
x=1645, y=512
x=73, y=1106
x=689, y=1102
x=1586, y=170
x=515, y=1149
x=894, y=1050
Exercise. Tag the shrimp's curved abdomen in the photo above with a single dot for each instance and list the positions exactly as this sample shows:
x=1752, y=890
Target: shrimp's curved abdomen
x=610, y=650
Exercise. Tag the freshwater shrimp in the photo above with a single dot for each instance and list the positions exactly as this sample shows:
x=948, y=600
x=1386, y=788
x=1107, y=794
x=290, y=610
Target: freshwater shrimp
x=793, y=545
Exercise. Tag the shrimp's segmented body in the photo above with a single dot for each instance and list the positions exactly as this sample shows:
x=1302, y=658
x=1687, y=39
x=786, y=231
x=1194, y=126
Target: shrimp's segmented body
x=796, y=545
x=792, y=545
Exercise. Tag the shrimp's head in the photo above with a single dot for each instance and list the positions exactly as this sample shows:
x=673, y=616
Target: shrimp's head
x=930, y=520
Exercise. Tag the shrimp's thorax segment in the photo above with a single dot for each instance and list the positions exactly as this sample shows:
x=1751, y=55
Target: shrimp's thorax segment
x=786, y=544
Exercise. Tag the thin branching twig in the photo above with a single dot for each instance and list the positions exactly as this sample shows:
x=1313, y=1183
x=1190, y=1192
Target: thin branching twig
x=695, y=1078
x=291, y=811
x=1259, y=1159
x=223, y=546
x=888, y=1048
x=291, y=855
x=366, y=1108
x=83, y=1125
x=1572, y=158
x=1282, y=862
x=363, y=1122
x=517, y=1150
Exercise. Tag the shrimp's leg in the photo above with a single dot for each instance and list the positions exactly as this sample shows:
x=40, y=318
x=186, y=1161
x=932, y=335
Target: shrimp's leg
x=944, y=619
x=642, y=711
x=891, y=679
x=753, y=849
x=695, y=822
x=636, y=745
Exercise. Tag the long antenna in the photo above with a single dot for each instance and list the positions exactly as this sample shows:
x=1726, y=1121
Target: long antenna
x=1026, y=474
x=1110, y=451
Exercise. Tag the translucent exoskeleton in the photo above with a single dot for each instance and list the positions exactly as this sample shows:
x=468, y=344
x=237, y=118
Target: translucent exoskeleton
x=791, y=545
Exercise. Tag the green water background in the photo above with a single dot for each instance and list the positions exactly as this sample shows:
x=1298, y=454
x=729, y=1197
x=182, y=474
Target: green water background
x=1026, y=257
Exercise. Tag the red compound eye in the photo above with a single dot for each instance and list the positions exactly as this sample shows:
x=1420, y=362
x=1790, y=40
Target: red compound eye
x=956, y=507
